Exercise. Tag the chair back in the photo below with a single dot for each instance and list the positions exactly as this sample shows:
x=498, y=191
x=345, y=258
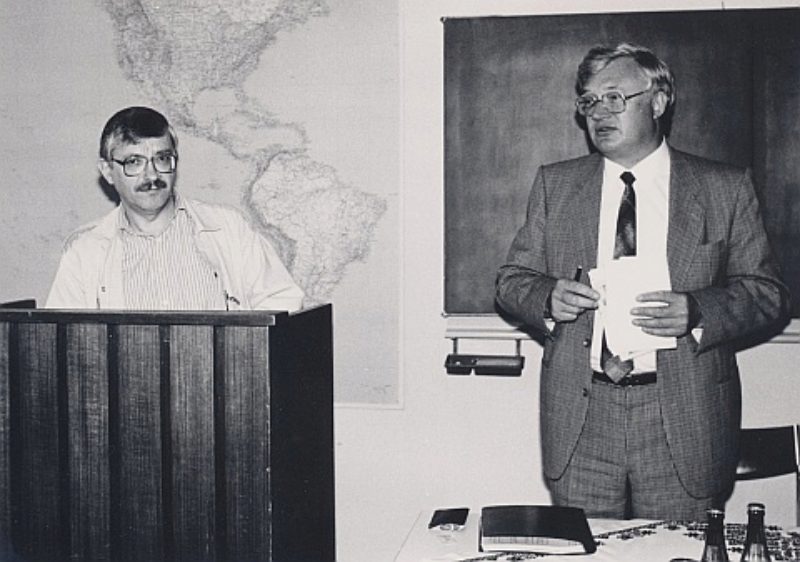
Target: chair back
x=765, y=452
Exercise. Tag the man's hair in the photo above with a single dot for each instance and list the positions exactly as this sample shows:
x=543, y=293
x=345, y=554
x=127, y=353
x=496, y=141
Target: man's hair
x=132, y=124
x=656, y=70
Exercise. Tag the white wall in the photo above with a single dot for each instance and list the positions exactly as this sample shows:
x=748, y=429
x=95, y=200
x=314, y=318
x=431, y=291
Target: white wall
x=472, y=440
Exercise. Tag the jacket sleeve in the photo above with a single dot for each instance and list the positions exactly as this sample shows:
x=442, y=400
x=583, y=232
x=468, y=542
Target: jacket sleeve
x=751, y=296
x=523, y=283
x=68, y=290
x=268, y=283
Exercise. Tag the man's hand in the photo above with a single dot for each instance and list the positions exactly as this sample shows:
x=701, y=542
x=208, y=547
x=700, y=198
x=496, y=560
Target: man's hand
x=674, y=315
x=570, y=298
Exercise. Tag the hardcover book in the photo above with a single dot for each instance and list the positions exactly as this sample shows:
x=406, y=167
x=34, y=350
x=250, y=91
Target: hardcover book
x=535, y=528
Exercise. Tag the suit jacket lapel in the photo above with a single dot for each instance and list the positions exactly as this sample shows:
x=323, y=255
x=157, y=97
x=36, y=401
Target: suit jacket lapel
x=587, y=201
x=686, y=218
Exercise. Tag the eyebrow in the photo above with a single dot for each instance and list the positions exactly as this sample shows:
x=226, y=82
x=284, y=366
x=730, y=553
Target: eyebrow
x=158, y=153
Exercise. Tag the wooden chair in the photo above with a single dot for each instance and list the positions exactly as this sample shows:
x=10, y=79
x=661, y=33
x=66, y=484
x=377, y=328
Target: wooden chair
x=770, y=451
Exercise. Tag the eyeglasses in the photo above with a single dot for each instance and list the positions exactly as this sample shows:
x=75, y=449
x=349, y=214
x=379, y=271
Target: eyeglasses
x=613, y=101
x=163, y=162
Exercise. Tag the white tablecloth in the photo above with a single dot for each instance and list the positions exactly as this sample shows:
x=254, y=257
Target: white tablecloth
x=636, y=540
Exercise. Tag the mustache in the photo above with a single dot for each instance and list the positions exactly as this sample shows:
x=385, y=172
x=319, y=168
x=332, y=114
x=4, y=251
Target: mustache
x=158, y=183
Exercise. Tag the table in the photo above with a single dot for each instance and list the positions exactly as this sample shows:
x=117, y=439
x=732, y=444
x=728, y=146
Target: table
x=617, y=541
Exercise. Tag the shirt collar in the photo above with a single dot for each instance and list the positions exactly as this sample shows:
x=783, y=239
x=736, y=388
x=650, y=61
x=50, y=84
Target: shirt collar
x=124, y=223
x=654, y=164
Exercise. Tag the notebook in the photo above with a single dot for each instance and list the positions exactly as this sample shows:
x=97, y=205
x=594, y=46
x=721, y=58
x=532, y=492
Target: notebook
x=535, y=528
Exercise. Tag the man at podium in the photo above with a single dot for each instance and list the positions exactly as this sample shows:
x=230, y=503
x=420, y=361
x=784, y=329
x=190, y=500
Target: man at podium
x=158, y=250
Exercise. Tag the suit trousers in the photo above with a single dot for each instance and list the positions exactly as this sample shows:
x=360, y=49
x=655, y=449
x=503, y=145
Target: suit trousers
x=622, y=467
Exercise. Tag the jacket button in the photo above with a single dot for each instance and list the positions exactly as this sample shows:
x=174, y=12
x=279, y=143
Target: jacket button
x=585, y=392
x=587, y=342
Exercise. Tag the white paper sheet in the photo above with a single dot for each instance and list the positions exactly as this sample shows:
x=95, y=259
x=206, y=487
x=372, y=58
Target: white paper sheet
x=619, y=283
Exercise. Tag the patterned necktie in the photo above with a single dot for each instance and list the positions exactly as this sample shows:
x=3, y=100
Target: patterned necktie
x=624, y=245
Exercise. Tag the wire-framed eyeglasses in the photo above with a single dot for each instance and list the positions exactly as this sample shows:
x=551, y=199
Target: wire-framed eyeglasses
x=613, y=101
x=163, y=162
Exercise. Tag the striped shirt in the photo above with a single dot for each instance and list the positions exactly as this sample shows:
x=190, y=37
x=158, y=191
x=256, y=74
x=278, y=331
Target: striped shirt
x=167, y=271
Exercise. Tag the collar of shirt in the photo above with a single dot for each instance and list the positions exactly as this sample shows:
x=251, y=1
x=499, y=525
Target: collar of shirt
x=124, y=223
x=654, y=166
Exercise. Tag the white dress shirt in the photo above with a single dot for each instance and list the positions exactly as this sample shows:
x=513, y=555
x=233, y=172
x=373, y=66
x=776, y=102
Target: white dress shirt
x=652, y=220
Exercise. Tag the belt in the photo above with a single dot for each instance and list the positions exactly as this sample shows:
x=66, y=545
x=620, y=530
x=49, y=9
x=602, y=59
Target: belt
x=637, y=379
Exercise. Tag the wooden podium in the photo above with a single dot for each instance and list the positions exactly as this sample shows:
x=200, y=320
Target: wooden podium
x=154, y=436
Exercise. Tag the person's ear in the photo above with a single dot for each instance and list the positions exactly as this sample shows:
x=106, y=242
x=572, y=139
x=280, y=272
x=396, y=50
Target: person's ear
x=104, y=167
x=658, y=103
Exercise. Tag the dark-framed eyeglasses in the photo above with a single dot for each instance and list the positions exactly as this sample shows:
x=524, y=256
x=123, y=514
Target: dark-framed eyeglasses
x=163, y=163
x=613, y=101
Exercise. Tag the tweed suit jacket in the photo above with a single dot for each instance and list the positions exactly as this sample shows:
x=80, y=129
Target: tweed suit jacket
x=717, y=250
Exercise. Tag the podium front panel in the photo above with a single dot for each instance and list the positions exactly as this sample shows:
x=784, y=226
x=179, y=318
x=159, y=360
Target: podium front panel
x=156, y=436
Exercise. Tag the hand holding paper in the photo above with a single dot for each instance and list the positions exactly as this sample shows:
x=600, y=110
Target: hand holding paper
x=622, y=281
x=672, y=320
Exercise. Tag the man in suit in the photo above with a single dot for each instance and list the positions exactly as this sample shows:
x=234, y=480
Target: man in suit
x=653, y=434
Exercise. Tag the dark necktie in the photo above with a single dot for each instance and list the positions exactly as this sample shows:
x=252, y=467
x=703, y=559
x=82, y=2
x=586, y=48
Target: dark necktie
x=624, y=245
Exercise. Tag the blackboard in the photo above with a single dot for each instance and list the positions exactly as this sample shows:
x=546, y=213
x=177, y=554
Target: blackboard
x=509, y=92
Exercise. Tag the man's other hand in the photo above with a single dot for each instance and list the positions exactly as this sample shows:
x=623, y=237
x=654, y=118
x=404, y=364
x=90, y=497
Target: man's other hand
x=674, y=315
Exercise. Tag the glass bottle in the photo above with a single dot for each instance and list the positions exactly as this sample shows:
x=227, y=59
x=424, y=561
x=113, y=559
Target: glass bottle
x=755, y=543
x=715, y=550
